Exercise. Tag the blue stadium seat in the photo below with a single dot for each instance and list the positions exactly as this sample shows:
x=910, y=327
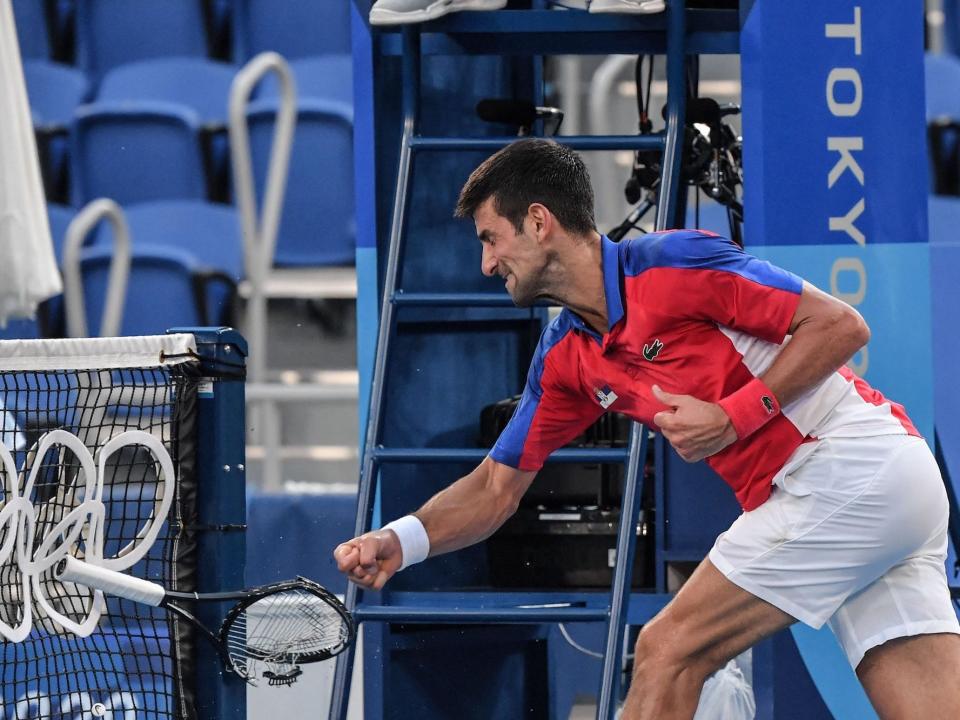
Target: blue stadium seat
x=60, y=217
x=325, y=77
x=208, y=232
x=200, y=84
x=160, y=289
x=197, y=83
x=20, y=329
x=317, y=226
x=301, y=29
x=136, y=151
x=33, y=34
x=55, y=91
x=52, y=321
x=115, y=32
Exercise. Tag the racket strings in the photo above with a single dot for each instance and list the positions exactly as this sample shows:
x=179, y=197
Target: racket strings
x=282, y=629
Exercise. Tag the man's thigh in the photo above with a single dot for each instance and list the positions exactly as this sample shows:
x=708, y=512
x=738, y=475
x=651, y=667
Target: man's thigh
x=914, y=677
x=712, y=620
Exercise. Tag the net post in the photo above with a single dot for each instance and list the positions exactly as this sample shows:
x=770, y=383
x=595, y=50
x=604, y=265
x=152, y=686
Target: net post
x=221, y=504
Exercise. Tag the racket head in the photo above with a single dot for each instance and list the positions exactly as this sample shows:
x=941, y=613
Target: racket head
x=280, y=626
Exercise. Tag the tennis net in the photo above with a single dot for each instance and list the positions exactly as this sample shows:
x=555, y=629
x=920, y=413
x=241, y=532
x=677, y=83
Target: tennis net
x=99, y=455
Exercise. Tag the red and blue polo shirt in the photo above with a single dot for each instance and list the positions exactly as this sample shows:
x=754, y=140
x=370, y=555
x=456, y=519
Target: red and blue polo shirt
x=691, y=312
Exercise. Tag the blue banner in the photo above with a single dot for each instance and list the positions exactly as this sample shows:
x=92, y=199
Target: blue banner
x=833, y=123
x=836, y=174
x=836, y=190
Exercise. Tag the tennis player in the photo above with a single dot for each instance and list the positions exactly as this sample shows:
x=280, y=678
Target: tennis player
x=738, y=363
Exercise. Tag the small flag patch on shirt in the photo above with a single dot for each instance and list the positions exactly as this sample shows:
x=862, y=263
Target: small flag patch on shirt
x=605, y=396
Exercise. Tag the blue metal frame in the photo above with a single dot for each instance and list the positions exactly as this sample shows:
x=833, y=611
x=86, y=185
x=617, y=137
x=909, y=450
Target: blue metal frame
x=221, y=505
x=548, y=32
x=533, y=32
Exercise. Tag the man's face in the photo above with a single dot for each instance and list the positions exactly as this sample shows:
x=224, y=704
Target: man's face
x=518, y=258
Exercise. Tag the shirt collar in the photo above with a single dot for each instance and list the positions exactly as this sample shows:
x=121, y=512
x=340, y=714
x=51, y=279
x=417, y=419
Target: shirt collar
x=611, y=281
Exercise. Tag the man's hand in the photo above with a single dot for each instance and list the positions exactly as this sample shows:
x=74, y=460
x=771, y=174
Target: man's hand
x=371, y=559
x=695, y=428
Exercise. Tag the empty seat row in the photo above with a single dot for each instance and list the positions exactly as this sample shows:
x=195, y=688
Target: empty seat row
x=56, y=90
x=157, y=131
x=103, y=34
x=186, y=262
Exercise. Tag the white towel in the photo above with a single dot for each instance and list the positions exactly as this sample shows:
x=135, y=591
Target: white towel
x=28, y=268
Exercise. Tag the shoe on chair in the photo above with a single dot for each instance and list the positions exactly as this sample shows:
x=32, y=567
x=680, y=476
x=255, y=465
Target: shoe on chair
x=627, y=6
x=402, y=12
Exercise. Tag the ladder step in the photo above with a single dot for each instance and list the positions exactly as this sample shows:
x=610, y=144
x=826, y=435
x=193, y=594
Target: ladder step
x=439, y=455
x=507, y=606
x=577, y=142
x=431, y=615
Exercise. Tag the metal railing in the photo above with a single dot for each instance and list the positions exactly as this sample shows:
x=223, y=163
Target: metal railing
x=74, y=304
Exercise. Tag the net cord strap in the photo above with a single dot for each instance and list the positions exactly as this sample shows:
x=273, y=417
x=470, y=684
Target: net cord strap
x=97, y=353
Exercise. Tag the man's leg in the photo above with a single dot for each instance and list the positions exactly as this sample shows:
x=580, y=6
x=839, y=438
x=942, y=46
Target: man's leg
x=710, y=621
x=914, y=677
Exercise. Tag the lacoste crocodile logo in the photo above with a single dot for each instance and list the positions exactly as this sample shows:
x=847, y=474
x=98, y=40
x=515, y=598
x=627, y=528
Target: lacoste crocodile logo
x=767, y=403
x=651, y=351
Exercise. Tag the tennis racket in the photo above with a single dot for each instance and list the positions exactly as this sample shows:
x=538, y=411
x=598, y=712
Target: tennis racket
x=269, y=632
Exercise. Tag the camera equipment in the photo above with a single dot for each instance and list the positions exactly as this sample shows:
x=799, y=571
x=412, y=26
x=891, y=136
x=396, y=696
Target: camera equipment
x=521, y=113
x=712, y=158
x=564, y=533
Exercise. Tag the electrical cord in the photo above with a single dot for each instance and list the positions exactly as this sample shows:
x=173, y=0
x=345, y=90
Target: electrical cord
x=586, y=651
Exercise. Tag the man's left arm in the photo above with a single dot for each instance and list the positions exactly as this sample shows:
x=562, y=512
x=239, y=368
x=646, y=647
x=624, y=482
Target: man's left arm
x=826, y=332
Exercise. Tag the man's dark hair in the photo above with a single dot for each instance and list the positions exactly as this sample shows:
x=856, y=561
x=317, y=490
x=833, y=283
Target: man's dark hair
x=532, y=171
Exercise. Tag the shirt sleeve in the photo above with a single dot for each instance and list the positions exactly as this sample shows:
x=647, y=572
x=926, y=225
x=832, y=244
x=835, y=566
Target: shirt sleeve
x=707, y=277
x=552, y=410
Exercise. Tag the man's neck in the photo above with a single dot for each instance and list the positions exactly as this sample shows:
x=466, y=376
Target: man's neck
x=578, y=281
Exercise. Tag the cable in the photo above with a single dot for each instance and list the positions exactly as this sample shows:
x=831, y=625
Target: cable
x=587, y=651
x=577, y=646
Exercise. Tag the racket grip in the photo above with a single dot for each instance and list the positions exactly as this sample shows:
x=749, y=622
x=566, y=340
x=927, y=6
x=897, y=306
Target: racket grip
x=110, y=582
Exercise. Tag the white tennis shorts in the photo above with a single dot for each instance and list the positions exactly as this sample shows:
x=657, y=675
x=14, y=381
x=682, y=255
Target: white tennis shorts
x=854, y=533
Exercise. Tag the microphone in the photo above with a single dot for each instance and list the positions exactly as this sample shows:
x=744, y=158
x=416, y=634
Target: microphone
x=521, y=113
x=703, y=111
x=507, y=112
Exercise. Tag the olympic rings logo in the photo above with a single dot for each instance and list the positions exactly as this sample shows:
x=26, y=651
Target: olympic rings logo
x=19, y=519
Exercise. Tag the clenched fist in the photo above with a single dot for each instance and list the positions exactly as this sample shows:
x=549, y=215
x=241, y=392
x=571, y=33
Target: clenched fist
x=371, y=559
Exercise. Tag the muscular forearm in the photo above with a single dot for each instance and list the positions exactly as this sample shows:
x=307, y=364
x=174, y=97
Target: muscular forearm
x=821, y=343
x=472, y=508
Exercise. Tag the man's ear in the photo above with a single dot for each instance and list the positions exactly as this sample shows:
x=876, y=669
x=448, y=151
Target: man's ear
x=540, y=219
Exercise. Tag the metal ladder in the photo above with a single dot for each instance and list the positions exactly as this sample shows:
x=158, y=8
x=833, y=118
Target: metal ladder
x=481, y=609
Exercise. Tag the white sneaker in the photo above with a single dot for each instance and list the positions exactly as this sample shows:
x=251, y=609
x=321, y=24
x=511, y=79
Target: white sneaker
x=401, y=12
x=627, y=6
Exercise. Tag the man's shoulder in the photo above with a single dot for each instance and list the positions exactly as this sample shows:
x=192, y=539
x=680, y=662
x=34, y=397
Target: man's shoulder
x=555, y=331
x=551, y=339
x=671, y=248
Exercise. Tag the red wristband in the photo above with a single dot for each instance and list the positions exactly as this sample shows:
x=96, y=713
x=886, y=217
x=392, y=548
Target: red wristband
x=751, y=407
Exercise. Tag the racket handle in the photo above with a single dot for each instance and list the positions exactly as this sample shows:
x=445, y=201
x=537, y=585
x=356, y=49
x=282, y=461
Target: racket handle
x=110, y=582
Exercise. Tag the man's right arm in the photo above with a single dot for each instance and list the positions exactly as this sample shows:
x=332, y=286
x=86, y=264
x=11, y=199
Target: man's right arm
x=466, y=512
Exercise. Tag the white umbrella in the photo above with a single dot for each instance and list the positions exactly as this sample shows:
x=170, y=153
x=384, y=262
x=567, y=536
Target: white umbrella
x=28, y=268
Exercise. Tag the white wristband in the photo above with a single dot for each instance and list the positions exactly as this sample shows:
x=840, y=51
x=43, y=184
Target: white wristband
x=414, y=541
